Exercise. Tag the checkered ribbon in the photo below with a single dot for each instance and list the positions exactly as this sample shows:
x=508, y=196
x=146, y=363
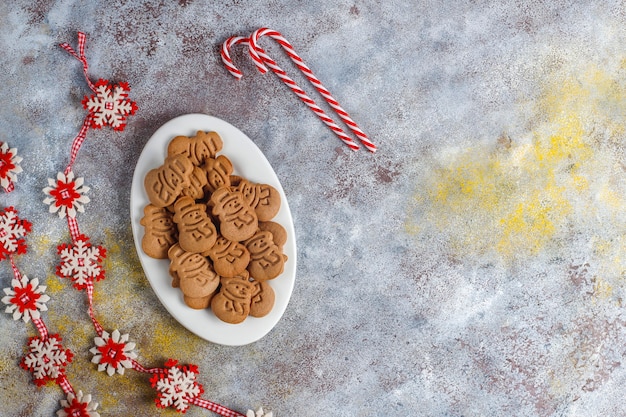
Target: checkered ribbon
x=80, y=56
x=65, y=384
x=216, y=408
x=78, y=141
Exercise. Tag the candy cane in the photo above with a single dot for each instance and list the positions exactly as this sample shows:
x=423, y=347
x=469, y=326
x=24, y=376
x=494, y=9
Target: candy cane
x=261, y=59
x=255, y=52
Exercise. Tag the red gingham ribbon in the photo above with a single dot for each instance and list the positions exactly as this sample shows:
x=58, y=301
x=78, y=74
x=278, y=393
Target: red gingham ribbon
x=262, y=61
x=16, y=272
x=216, y=408
x=41, y=328
x=140, y=368
x=65, y=384
x=92, y=315
x=72, y=224
x=78, y=141
x=80, y=56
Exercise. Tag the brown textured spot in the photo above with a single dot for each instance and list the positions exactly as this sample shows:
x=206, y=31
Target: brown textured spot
x=354, y=10
x=385, y=175
x=39, y=10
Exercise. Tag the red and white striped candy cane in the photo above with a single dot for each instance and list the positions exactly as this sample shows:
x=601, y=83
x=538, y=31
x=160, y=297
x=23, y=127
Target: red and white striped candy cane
x=261, y=59
x=255, y=52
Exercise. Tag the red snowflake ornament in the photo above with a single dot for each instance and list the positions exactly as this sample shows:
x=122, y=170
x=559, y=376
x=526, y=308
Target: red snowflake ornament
x=113, y=353
x=9, y=166
x=13, y=230
x=78, y=405
x=110, y=105
x=26, y=299
x=46, y=359
x=66, y=195
x=176, y=386
x=81, y=262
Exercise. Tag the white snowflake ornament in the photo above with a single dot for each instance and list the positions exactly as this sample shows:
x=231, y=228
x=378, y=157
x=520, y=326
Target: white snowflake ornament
x=110, y=105
x=81, y=262
x=78, y=405
x=25, y=299
x=66, y=195
x=46, y=358
x=176, y=385
x=13, y=231
x=113, y=353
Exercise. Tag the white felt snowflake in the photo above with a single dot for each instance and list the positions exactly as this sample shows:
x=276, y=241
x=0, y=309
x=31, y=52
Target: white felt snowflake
x=81, y=262
x=66, y=195
x=12, y=233
x=176, y=387
x=46, y=358
x=78, y=405
x=26, y=299
x=259, y=413
x=9, y=166
x=113, y=352
x=110, y=105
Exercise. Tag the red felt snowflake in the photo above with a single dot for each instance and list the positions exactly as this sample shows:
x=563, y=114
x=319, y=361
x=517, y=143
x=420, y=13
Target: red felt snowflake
x=9, y=166
x=176, y=385
x=46, y=359
x=25, y=299
x=110, y=105
x=66, y=195
x=81, y=262
x=12, y=233
x=78, y=405
x=113, y=353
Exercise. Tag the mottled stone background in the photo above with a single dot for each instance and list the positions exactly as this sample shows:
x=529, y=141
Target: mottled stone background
x=474, y=266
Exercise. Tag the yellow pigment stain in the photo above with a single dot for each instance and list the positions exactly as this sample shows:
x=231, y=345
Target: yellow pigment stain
x=516, y=200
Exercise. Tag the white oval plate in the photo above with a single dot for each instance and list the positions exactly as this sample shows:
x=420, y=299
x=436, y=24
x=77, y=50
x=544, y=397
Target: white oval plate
x=249, y=162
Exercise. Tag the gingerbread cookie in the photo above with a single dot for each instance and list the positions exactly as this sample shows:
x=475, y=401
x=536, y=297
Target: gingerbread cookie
x=192, y=273
x=232, y=303
x=218, y=172
x=160, y=232
x=197, y=148
x=279, y=234
x=263, y=198
x=229, y=258
x=196, y=231
x=238, y=221
x=267, y=260
x=262, y=300
x=165, y=183
x=197, y=182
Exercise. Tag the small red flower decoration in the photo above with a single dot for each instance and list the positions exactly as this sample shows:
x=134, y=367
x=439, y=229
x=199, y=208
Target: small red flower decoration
x=81, y=262
x=25, y=299
x=176, y=385
x=113, y=352
x=110, y=105
x=13, y=230
x=66, y=195
x=9, y=166
x=78, y=406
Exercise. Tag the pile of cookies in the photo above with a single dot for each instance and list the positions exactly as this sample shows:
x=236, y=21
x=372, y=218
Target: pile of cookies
x=215, y=228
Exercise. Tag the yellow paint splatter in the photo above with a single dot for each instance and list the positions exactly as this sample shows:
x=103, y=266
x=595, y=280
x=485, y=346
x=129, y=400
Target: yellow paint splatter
x=517, y=197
